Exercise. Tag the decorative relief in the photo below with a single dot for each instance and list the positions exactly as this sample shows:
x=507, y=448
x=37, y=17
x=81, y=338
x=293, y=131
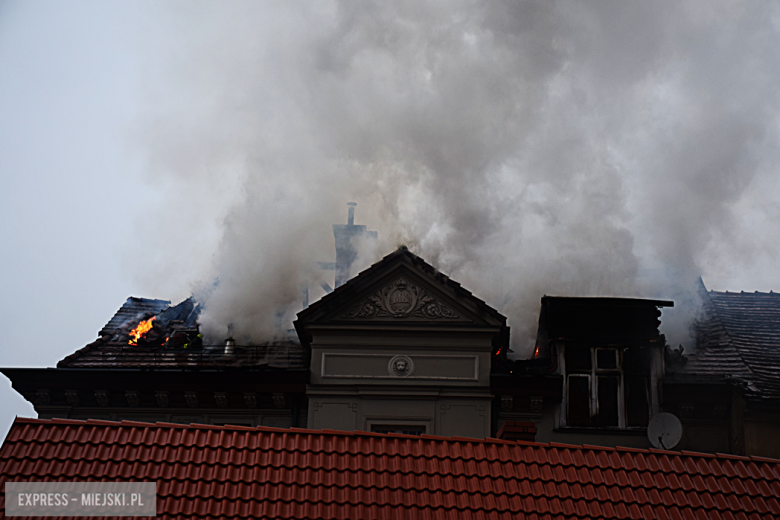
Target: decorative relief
x=191, y=398
x=132, y=397
x=279, y=400
x=686, y=410
x=101, y=396
x=401, y=299
x=250, y=398
x=72, y=397
x=162, y=398
x=400, y=366
x=536, y=401
x=221, y=399
x=507, y=403
x=42, y=397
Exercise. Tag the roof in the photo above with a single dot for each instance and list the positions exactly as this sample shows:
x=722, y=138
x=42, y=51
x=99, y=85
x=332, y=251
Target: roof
x=275, y=354
x=603, y=320
x=211, y=471
x=112, y=350
x=133, y=309
x=739, y=337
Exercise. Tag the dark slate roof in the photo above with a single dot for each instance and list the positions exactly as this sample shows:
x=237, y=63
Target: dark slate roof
x=739, y=337
x=602, y=320
x=241, y=472
x=112, y=350
x=133, y=309
x=277, y=354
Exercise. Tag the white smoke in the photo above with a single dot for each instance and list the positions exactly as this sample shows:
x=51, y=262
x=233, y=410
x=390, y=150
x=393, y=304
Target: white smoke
x=523, y=148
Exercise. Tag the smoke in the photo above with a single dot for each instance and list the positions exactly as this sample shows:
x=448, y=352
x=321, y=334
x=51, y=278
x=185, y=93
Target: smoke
x=523, y=148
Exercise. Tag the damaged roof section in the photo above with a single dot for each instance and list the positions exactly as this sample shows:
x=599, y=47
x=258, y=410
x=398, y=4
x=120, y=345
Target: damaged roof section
x=604, y=321
x=118, y=347
x=738, y=337
x=133, y=309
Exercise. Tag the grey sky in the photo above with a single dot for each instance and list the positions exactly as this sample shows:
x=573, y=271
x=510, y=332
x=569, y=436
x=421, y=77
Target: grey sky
x=523, y=148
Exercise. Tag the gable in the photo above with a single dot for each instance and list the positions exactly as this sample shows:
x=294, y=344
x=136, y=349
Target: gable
x=401, y=288
x=400, y=299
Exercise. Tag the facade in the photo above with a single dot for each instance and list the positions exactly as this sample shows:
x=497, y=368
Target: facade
x=401, y=348
x=601, y=362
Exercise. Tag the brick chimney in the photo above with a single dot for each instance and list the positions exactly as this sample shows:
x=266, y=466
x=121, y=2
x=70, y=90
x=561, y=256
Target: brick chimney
x=517, y=431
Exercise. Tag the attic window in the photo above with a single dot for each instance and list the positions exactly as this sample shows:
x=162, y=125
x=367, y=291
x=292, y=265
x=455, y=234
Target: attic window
x=606, y=387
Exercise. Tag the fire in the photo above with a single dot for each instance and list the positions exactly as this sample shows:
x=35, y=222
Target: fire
x=142, y=328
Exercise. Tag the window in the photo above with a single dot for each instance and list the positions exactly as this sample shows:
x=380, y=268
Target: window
x=406, y=429
x=606, y=387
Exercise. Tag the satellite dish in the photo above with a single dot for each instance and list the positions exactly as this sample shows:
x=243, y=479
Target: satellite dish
x=664, y=431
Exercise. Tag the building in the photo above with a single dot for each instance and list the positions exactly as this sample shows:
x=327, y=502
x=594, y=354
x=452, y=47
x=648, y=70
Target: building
x=595, y=373
x=727, y=393
x=403, y=348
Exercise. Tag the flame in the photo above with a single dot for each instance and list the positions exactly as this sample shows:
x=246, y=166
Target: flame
x=536, y=352
x=142, y=328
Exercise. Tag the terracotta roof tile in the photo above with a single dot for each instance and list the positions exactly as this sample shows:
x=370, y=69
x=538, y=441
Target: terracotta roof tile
x=207, y=471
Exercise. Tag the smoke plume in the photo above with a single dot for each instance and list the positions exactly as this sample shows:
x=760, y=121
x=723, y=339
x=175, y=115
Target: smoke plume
x=523, y=148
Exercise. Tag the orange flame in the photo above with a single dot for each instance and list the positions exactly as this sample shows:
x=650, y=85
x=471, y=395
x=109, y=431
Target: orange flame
x=142, y=328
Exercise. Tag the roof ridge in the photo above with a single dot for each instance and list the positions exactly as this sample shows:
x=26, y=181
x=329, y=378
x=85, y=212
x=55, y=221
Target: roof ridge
x=743, y=293
x=358, y=433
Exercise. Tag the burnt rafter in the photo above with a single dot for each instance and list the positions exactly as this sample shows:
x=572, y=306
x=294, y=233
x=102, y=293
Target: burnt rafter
x=401, y=299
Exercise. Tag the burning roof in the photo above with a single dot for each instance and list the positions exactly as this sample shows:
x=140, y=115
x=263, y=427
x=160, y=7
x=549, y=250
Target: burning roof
x=146, y=333
x=146, y=322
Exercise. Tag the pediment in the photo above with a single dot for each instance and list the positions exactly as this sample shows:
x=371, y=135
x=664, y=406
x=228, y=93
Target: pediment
x=401, y=288
x=401, y=299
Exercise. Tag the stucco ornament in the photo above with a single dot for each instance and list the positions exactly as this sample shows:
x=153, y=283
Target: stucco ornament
x=401, y=299
x=101, y=396
x=162, y=398
x=132, y=397
x=400, y=366
x=221, y=399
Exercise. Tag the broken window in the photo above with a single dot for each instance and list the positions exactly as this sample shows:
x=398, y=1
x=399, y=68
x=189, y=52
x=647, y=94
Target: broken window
x=606, y=387
x=579, y=400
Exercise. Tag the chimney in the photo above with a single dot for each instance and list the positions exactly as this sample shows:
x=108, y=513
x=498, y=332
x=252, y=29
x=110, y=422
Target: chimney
x=230, y=344
x=346, y=237
x=517, y=431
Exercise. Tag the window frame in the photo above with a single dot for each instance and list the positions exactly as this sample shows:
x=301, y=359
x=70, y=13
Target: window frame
x=593, y=384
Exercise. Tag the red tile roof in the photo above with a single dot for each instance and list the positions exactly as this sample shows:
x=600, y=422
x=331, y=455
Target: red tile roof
x=210, y=471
